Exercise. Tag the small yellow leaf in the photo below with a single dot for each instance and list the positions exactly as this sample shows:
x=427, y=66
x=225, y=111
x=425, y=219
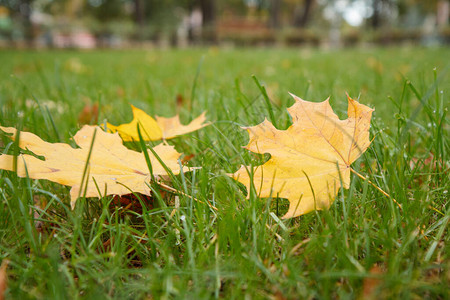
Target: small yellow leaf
x=113, y=168
x=153, y=130
x=311, y=158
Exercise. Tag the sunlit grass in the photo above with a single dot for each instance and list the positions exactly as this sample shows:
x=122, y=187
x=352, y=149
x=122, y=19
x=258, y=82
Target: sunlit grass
x=178, y=247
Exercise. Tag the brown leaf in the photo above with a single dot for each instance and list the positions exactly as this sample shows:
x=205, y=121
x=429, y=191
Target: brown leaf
x=3, y=278
x=371, y=284
x=39, y=204
x=187, y=158
x=180, y=100
x=120, y=92
x=89, y=114
x=134, y=202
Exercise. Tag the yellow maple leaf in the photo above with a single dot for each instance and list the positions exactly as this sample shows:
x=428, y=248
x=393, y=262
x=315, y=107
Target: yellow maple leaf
x=113, y=169
x=153, y=130
x=311, y=158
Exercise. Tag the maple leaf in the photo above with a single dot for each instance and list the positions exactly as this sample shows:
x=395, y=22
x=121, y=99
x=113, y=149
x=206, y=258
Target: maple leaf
x=153, y=130
x=311, y=158
x=113, y=168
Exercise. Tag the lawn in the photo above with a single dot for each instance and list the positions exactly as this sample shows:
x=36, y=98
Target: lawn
x=364, y=246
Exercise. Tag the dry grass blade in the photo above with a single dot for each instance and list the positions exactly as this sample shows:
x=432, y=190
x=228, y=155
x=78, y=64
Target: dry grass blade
x=378, y=188
x=298, y=246
x=171, y=189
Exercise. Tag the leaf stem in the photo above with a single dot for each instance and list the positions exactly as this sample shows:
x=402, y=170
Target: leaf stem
x=378, y=188
x=173, y=190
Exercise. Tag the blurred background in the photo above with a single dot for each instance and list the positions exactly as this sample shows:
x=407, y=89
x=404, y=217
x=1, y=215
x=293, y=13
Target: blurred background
x=86, y=24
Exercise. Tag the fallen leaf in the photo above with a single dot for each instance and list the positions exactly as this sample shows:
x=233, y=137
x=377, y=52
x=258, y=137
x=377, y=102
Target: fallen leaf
x=375, y=64
x=113, y=168
x=120, y=92
x=309, y=159
x=187, y=158
x=39, y=205
x=372, y=283
x=153, y=130
x=3, y=278
x=75, y=65
x=180, y=100
x=89, y=114
x=133, y=202
x=428, y=162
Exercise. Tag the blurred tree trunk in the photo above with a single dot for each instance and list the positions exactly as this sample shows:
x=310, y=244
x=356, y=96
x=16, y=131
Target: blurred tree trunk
x=274, y=20
x=376, y=16
x=25, y=11
x=208, y=8
x=302, y=16
x=139, y=11
x=379, y=7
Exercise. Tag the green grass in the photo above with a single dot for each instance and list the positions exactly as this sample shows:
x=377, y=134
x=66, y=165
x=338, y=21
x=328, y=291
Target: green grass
x=243, y=249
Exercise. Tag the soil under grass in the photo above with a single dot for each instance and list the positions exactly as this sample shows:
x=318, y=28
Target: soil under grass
x=174, y=247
